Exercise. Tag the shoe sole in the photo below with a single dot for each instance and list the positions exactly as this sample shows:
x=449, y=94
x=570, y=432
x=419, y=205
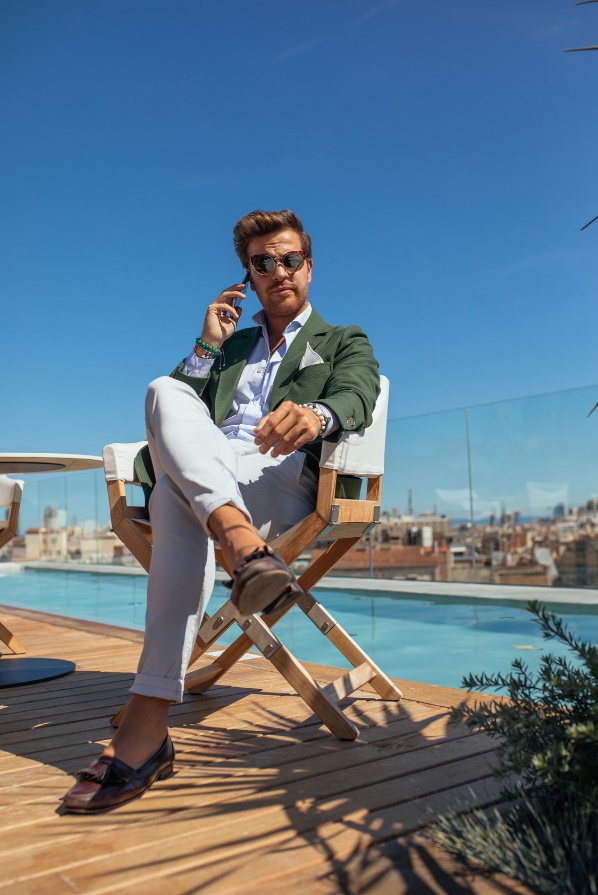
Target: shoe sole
x=286, y=599
x=264, y=593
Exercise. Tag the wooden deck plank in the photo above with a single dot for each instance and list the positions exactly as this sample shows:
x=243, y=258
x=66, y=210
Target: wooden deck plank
x=407, y=868
x=216, y=743
x=285, y=747
x=274, y=836
x=253, y=815
x=216, y=785
x=262, y=797
x=255, y=751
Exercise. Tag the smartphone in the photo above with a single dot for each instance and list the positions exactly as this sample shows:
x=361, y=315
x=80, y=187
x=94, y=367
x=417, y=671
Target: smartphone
x=238, y=302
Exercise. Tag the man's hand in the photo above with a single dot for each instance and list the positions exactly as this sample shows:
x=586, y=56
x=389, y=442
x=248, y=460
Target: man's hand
x=286, y=429
x=221, y=317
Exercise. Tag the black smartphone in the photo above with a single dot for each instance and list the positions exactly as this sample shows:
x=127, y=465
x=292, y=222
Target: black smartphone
x=238, y=302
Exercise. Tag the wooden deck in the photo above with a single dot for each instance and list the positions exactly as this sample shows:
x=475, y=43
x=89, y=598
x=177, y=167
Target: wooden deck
x=263, y=799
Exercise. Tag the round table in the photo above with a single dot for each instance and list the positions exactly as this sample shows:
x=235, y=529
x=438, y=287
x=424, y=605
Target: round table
x=15, y=671
x=16, y=464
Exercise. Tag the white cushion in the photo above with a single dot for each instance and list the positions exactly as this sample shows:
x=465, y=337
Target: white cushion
x=361, y=453
x=11, y=491
x=119, y=461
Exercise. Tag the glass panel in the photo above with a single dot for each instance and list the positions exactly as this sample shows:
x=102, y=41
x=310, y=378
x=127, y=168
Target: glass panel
x=425, y=492
x=530, y=516
x=65, y=518
x=534, y=487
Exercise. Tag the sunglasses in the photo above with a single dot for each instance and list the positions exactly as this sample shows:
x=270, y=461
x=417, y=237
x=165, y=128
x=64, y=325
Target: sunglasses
x=266, y=264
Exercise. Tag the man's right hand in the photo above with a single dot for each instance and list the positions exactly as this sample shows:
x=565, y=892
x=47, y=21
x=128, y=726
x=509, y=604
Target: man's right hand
x=221, y=317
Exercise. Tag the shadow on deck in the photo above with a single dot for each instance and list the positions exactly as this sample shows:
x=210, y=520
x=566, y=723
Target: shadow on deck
x=263, y=799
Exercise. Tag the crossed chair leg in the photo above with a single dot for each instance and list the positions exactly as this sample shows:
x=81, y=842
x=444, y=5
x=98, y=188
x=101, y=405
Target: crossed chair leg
x=323, y=701
x=257, y=632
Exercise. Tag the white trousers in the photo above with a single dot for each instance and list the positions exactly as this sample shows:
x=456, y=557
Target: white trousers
x=198, y=470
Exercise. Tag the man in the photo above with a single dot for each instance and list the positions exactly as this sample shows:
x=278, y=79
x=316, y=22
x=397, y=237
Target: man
x=234, y=437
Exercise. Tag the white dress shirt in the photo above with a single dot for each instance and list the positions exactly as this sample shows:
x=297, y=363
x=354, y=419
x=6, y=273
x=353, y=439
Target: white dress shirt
x=252, y=398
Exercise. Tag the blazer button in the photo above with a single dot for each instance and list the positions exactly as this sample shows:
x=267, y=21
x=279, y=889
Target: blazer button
x=350, y=422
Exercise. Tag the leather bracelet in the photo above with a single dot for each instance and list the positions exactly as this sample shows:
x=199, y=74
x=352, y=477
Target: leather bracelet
x=204, y=354
x=324, y=419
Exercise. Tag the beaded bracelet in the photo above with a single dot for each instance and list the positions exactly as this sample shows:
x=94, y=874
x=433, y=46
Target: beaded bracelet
x=211, y=348
x=324, y=419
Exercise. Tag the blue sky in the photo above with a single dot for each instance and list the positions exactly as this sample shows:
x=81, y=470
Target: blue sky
x=441, y=154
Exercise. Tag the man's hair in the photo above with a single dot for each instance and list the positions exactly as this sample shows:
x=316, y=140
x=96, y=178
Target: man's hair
x=262, y=223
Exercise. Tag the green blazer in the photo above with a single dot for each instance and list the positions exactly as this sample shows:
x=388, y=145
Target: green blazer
x=331, y=364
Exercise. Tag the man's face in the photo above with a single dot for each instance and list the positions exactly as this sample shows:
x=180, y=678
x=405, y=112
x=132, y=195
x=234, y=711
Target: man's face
x=281, y=293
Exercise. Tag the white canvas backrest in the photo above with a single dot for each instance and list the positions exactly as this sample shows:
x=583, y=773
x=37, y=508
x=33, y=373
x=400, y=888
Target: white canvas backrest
x=11, y=491
x=361, y=453
x=119, y=461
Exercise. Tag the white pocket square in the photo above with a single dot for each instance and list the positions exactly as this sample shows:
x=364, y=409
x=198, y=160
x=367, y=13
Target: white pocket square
x=310, y=358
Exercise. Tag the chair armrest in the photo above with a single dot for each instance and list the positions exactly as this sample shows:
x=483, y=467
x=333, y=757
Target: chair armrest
x=361, y=453
x=11, y=491
x=119, y=461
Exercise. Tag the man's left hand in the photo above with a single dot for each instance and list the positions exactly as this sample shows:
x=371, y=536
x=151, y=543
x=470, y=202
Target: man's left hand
x=286, y=429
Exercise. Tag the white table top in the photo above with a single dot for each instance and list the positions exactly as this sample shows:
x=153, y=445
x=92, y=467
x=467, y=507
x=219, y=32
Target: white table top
x=21, y=463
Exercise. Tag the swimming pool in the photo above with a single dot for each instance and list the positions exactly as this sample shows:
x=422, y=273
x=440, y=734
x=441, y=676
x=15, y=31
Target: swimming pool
x=434, y=640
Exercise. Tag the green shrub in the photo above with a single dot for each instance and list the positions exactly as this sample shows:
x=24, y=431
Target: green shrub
x=548, y=726
x=552, y=849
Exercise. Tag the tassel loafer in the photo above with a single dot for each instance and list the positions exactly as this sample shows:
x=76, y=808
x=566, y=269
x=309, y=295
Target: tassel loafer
x=109, y=782
x=262, y=582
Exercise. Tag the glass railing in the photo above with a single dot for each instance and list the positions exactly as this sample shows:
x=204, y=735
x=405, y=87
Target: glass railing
x=504, y=493
x=64, y=518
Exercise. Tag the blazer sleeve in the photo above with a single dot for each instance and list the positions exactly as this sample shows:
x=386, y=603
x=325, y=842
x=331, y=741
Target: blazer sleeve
x=198, y=383
x=354, y=382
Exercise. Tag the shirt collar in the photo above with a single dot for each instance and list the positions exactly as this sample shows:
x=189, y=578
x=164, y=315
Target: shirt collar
x=294, y=325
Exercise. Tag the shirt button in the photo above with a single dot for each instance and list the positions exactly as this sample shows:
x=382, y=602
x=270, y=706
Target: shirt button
x=350, y=422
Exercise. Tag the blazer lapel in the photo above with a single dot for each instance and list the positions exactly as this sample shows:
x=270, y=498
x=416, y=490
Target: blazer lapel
x=311, y=332
x=237, y=352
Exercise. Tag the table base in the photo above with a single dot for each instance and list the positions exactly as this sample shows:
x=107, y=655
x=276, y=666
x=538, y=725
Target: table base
x=14, y=672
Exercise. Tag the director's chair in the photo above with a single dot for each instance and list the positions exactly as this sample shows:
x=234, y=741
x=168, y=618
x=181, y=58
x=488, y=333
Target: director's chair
x=11, y=492
x=342, y=520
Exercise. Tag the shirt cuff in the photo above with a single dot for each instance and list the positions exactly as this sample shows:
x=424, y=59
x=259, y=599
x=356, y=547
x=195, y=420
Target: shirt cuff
x=333, y=424
x=197, y=366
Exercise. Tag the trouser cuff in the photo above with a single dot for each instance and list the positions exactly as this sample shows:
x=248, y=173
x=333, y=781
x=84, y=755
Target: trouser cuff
x=159, y=687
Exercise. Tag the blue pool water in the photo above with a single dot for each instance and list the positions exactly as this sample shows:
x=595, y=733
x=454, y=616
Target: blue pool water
x=435, y=640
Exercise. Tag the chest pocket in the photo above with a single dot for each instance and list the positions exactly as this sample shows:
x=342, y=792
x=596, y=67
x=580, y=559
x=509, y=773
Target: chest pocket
x=310, y=383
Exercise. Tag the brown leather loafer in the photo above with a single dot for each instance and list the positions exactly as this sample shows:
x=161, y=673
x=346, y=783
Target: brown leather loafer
x=263, y=583
x=108, y=782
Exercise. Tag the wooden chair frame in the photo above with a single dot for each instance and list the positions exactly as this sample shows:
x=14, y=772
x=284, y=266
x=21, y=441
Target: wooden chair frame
x=340, y=520
x=11, y=492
